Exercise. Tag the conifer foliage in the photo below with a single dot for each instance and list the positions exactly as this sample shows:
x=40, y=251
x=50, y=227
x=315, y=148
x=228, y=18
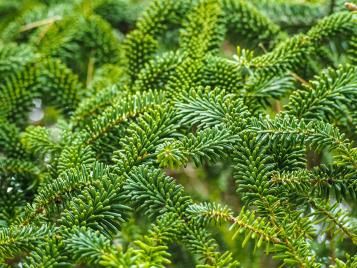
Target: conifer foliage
x=178, y=133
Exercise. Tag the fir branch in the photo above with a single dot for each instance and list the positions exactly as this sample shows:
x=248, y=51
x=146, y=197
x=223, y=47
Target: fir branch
x=203, y=107
x=244, y=19
x=210, y=212
x=208, y=145
x=129, y=98
x=151, y=191
x=203, y=31
x=37, y=140
x=15, y=240
x=333, y=217
x=119, y=112
x=86, y=245
x=328, y=96
x=142, y=138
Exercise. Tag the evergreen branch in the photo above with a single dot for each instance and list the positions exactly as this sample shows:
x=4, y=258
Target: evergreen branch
x=350, y=262
x=333, y=25
x=13, y=58
x=156, y=194
x=15, y=240
x=154, y=256
x=244, y=19
x=139, y=49
x=167, y=229
x=24, y=170
x=91, y=107
x=60, y=86
x=17, y=92
x=222, y=73
x=204, y=247
x=333, y=217
x=152, y=249
x=37, y=140
x=288, y=157
x=119, y=112
x=98, y=38
x=158, y=15
x=102, y=210
x=353, y=48
x=203, y=30
x=210, y=212
x=73, y=156
x=326, y=97
x=287, y=56
x=10, y=140
x=105, y=77
x=59, y=39
x=86, y=184
x=156, y=73
x=142, y=138
x=252, y=168
x=292, y=14
x=117, y=12
x=149, y=190
x=86, y=245
x=254, y=227
x=260, y=91
x=207, y=145
x=53, y=195
x=322, y=180
x=47, y=255
x=186, y=76
x=205, y=108
x=316, y=134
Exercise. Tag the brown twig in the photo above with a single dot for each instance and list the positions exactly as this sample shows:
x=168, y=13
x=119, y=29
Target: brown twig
x=277, y=106
x=90, y=70
x=299, y=78
x=351, y=6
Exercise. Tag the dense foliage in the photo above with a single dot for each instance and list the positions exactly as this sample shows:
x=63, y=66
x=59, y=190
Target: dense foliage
x=178, y=133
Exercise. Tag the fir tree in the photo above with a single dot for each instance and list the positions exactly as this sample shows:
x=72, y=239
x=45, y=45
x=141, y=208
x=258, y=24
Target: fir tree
x=191, y=133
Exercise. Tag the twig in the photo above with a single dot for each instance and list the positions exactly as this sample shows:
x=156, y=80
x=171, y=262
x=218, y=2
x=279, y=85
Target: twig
x=39, y=23
x=351, y=6
x=263, y=48
x=90, y=70
x=299, y=78
x=277, y=106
